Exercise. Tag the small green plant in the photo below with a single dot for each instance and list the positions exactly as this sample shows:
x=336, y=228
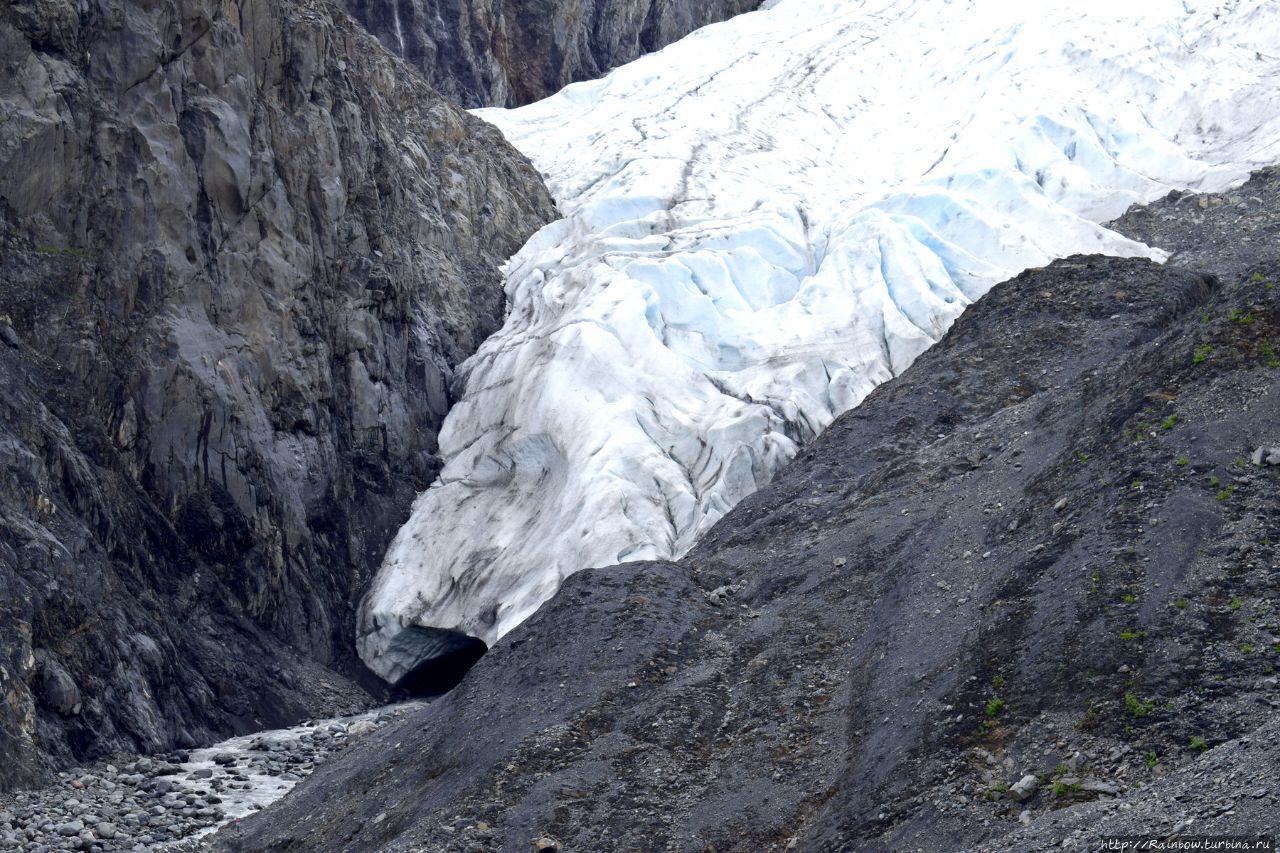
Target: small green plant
x=995, y=791
x=1169, y=422
x=1214, y=481
x=1236, y=603
x=1128, y=598
x=1129, y=636
x=1198, y=744
x=994, y=706
x=1239, y=317
x=1269, y=357
x=1181, y=604
x=1151, y=759
x=1136, y=485
x=1201, y=354
x=1082, y=457
x=1257, y=278
x=1225, y=494
x=1183, y=460
x=1090, y=718
x=1064, y=789
x=1238, y=464
x=997, y=681
x=1276, y=648
x=1246, y=648
x=1137, y=707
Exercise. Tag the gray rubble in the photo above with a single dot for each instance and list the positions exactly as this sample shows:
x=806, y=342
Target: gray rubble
x=156, y=802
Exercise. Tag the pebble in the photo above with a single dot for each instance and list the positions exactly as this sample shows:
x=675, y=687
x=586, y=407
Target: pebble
x=69, y=829
x=137, y=805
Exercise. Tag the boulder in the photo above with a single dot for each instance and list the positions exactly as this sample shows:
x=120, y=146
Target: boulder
x=57, y=688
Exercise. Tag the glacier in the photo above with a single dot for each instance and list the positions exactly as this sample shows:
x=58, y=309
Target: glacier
x=763, y=222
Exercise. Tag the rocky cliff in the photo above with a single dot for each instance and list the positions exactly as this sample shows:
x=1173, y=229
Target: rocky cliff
x=241, y=249
x=506, y=53
x=1009, y=601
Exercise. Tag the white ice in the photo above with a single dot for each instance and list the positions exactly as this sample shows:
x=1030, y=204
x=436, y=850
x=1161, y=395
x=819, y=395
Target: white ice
x=766, y=220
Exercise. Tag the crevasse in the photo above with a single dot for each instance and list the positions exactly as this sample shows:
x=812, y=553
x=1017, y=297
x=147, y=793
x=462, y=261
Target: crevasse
x=766, y=220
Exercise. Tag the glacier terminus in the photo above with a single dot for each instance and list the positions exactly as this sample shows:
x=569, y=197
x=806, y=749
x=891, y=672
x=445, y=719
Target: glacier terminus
x=760, y=224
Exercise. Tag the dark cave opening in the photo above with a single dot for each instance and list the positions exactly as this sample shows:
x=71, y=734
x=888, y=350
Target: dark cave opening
x=453, y=654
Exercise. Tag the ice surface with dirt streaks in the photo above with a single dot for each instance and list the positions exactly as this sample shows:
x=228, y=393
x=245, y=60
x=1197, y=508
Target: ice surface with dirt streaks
x=767, y=219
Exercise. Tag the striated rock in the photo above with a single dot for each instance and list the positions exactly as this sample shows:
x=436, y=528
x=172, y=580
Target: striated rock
x=504, y=53
x=243, y=248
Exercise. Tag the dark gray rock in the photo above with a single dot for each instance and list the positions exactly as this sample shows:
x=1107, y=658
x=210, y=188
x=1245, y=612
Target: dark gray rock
x=242, y=252
x=512, y=52
x=56, y=688
x=865, y=706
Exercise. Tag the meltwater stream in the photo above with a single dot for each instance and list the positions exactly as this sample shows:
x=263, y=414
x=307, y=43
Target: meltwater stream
x=169, y=802
x=762, y=223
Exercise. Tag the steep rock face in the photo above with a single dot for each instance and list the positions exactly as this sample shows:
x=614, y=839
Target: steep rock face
x=506, y=53
x=1045, y=550
x=243, y=248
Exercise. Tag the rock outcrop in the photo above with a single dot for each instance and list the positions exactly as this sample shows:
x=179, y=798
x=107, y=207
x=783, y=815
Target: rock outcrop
x=241, y=249
x=505, y=53
x=1040, y=560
